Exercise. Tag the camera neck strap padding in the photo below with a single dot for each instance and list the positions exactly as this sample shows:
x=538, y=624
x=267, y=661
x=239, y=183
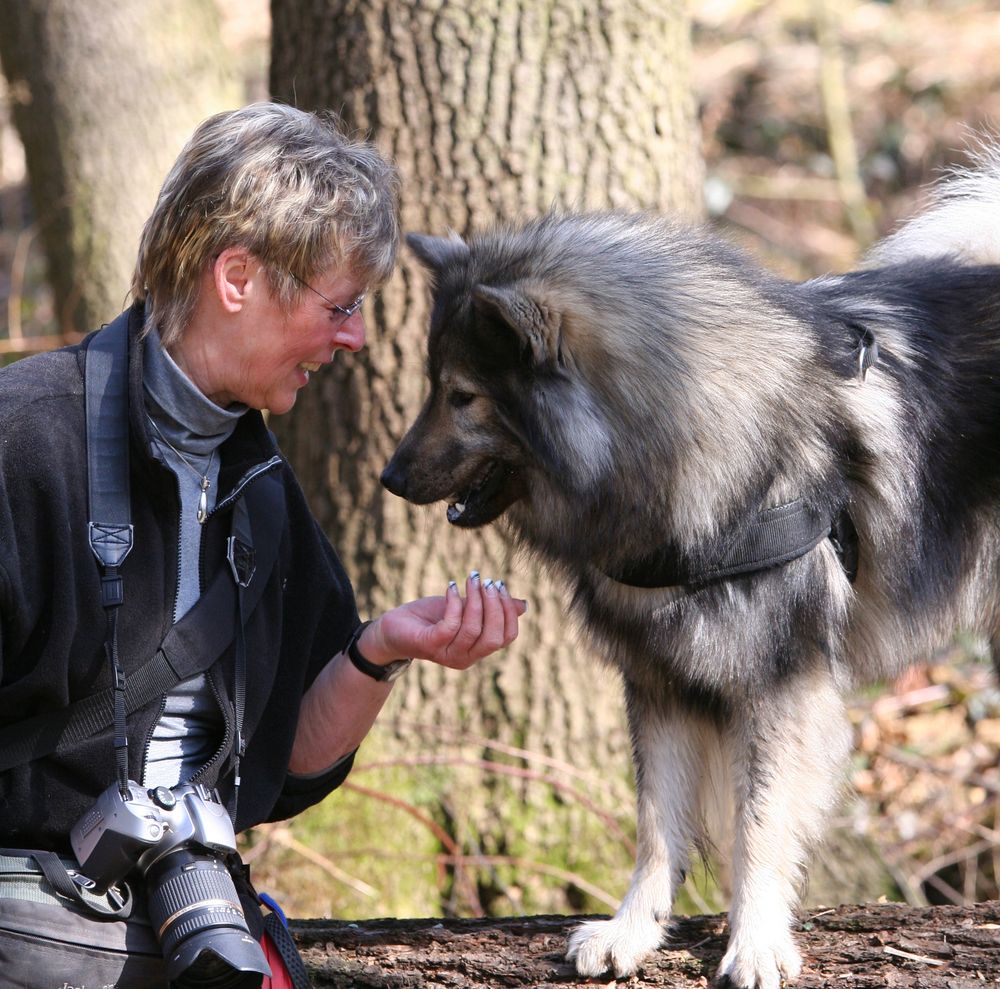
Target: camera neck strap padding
x=110, y=525
x=194, y=643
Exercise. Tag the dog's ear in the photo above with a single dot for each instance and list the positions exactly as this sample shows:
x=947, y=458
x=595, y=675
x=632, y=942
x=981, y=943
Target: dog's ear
x=438, y=253
x=538, y=326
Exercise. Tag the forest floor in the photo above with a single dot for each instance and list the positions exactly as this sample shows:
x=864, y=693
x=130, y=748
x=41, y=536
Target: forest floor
x=847, y=947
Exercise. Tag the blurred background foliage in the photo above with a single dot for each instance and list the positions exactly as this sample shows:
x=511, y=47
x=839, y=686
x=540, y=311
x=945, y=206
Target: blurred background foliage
x=820, y=123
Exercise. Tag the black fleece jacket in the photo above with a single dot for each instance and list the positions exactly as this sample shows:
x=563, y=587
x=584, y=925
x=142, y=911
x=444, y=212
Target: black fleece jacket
x=52, y=625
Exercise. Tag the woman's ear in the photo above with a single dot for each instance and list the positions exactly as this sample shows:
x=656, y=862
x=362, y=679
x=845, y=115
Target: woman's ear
x=231, y=275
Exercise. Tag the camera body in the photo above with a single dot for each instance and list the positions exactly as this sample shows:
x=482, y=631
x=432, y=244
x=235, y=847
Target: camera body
x=178, y=839
x=119, y=834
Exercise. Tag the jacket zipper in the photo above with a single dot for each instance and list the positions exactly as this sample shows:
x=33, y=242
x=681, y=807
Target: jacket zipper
x=149, y=737
x=220, y=700
x=227, y=735
x=248, y=478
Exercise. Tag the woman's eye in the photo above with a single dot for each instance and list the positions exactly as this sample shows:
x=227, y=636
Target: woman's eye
x=459, y=399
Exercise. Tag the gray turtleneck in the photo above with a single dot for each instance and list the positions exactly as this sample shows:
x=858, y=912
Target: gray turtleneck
x=187, y=429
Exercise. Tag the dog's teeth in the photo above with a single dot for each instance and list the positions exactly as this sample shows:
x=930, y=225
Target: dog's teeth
x=459, y=507
x=455, y=511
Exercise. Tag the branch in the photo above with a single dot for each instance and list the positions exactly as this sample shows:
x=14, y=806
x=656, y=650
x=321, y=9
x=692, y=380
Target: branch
x=849, y=947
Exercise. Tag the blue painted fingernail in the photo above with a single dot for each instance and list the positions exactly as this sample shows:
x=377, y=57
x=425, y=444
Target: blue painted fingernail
x=487, y=584
x=502, y=587
x=474, y=575
x=452, y=585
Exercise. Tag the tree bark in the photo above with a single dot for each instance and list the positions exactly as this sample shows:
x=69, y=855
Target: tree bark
x=104, y=95
x=847, y=947
x=493, y=109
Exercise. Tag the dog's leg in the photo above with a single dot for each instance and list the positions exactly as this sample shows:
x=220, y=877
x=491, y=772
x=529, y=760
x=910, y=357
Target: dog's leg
x=788, y=759
x=669, y=755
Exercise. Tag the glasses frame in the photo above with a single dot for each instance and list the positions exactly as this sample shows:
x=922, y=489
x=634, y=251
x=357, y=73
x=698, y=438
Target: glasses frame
x=345, y=311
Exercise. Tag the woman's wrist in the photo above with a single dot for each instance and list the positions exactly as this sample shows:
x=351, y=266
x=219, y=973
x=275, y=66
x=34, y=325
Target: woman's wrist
x=383, y=672
x=371, y=644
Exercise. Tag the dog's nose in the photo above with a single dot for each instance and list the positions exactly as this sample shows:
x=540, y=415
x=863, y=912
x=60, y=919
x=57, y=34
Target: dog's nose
x=394, y=478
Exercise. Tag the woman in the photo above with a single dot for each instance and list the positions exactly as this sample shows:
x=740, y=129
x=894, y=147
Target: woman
x=269, y=231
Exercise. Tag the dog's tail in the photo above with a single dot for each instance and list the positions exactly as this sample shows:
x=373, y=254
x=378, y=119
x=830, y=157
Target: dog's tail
x=962, y=222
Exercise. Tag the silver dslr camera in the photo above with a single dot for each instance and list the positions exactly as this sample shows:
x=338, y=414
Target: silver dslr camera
x=177, y=839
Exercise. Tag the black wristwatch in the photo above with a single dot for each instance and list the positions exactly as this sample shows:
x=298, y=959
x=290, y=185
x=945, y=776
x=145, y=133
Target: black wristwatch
x=384, y=674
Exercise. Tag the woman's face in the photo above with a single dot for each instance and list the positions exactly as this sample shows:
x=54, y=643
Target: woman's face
x=268, y=353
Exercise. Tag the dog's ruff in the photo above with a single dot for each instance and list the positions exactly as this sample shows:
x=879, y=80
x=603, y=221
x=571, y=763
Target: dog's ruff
x=611, y=385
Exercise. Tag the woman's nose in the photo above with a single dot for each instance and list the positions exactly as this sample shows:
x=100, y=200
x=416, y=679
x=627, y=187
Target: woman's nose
x=351, y=333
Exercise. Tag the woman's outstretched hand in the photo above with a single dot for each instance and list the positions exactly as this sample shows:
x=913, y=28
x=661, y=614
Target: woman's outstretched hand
x=451, y=630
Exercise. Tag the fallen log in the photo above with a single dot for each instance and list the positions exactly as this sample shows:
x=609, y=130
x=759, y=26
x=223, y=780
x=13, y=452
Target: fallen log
x=850, y=947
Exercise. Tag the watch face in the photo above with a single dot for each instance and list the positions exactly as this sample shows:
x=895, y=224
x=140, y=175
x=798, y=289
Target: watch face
x=396, y=669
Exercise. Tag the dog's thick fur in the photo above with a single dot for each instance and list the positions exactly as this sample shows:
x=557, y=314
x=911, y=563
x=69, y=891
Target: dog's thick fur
x=610, y=384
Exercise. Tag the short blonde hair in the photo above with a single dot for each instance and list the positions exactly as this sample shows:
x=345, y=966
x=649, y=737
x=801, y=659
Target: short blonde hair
x=288, y=186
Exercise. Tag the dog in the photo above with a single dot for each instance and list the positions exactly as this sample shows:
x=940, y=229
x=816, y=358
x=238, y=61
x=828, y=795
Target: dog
x=764, y=494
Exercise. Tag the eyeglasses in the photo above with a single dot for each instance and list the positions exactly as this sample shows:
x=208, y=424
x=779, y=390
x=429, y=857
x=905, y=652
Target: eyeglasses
x=346, y=312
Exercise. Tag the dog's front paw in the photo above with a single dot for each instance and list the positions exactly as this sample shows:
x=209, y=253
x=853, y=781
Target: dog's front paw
x=759, y=966
x=617, y=945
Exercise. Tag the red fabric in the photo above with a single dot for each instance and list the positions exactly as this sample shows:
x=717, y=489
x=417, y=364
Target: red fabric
x=280, y=979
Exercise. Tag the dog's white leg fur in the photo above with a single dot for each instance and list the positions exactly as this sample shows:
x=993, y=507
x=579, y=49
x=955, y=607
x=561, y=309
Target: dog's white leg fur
x=788, y=766
x=669, y=763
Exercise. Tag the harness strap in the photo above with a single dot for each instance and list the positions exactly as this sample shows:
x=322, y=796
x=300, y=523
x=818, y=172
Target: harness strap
x=775, y=536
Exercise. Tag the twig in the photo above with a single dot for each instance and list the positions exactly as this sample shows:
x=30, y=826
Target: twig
x=897, y=953
x=912, y=892
x=948, y=891
x=17, y=268
x=35, y=345
x=285, y=838
x=943, y=861
x=893, y=704
x=915, y=762
x=505, y=770
x=461, y=880
x=528, y=755
x=696, y=898
x=833, y=84
x=533, y=866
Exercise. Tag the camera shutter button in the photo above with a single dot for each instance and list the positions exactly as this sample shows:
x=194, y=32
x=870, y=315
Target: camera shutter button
x=163, y=797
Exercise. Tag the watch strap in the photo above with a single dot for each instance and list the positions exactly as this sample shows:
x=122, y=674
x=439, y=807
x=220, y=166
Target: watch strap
x=384, y=674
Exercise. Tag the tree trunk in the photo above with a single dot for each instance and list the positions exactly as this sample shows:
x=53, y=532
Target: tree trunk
x=104, y=95
x=849, y=947
x=492, y=109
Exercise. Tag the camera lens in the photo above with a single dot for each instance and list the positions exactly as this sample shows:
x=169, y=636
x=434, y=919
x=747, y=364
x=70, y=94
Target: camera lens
x=197, y=916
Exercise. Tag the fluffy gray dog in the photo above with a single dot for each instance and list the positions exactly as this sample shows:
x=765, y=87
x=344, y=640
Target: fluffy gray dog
x=764, y=494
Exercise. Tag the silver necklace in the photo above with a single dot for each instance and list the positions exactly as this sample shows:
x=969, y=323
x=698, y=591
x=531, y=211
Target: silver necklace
x=203, y=481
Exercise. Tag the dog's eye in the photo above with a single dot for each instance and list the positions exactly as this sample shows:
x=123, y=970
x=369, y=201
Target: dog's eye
x=460, y=399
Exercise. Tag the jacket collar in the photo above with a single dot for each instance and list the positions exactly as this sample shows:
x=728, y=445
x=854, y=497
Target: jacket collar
x=250, y=447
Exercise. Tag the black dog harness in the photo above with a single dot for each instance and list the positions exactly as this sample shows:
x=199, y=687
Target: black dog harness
x=774, y=536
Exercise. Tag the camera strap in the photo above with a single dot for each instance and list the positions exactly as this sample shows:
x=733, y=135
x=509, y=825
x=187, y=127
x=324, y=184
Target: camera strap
x=110, y=525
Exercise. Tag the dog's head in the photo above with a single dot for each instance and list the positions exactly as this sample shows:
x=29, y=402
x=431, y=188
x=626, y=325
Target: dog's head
x=505, y=406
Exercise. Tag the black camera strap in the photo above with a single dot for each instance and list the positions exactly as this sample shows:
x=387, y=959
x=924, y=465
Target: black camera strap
x=110, y=526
